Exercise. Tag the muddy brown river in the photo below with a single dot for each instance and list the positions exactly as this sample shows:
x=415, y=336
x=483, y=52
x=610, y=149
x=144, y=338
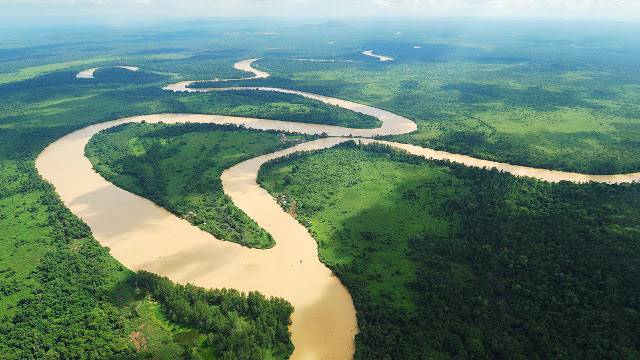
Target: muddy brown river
x=142, y=235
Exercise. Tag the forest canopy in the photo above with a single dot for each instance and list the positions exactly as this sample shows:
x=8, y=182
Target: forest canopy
x=448, y=261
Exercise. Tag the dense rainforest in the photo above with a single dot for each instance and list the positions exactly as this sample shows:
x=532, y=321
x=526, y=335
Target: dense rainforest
x=544, y=257
x=448, y=261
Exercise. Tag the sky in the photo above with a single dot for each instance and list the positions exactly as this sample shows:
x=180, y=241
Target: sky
x=129, y=10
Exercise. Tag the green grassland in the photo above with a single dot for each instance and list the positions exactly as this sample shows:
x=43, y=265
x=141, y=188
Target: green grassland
x=548, y=96
x=445, y=261
x=179, y=167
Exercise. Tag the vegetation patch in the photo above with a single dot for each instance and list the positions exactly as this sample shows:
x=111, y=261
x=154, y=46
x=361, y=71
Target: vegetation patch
x=447, y=261
x=33, y=71
x=273, y=105
x=234, y=325
x=63, y=296
x=179, y=167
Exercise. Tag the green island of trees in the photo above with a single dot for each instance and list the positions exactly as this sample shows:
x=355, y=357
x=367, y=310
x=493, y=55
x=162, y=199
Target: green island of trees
x=179, y=167
x=235, y=325
x=273, y=105
x=447, y=261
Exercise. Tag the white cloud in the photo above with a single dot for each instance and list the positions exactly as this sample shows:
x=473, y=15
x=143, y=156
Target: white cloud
x=624, y=9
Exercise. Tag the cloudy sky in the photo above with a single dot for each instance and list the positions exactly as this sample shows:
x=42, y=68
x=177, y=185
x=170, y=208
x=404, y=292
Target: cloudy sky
x=113, y=10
